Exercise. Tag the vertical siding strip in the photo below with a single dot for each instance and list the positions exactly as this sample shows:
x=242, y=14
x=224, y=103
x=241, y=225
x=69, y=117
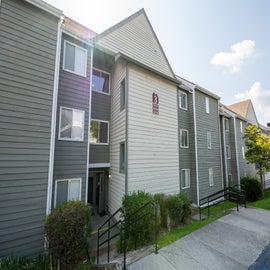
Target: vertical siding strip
x=89, y=121
x=53, y=119
x=236, y=150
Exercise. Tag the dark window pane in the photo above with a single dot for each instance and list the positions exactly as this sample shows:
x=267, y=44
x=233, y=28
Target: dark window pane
x=69, y=57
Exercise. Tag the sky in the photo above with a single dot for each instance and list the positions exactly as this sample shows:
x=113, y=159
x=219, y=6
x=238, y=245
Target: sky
x=221, y=45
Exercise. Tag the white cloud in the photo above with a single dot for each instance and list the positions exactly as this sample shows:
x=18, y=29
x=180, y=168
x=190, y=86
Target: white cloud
x=234, y=59
x=260, y=99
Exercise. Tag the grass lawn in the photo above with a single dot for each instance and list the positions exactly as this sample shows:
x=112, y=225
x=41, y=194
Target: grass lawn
x=264, y=203
x=216, y=212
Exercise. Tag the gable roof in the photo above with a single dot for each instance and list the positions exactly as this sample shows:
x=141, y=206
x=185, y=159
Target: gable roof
x=245, y=109
x=135, y=38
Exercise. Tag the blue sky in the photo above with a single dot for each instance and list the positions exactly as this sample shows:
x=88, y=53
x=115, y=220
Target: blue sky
x=221, y=45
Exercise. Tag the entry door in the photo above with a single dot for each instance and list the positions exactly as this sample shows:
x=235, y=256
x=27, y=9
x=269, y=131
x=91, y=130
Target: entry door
x=102, y=193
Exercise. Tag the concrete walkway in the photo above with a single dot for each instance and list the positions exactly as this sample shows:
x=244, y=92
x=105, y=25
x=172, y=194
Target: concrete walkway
x=234, y=241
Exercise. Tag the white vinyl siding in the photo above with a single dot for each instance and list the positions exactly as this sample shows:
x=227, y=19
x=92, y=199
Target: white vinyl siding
x=136, y=39
x=152, y=139
x=185, y=178
x=184, y=140
x=71, y=124
x=211, y=177
x=75, y=59
x=117, y=135
x=67, y=190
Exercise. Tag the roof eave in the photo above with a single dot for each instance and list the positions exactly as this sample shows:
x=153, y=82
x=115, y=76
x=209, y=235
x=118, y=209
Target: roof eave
x=46, y=7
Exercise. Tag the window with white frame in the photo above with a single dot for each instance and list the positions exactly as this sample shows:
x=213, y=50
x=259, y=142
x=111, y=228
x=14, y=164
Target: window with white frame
x=101, y=81
x=182, y=100
x=122, y=158
x=241, y=126
x=228, y=152
x=226, y=124
x=123, y=94
x=211, y=177
x=207, y=105
x=243, y=152
x=209, y=140
x=67, y=190
x=75, y=59
x=71, y=124
x=99, y=132
x=185, y=178
x=184, y=143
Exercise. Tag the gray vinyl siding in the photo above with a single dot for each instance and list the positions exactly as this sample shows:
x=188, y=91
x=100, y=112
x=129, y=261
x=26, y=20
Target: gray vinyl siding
x=187, y=155
x=27, y=62
x=208, y=158
x=70, y=159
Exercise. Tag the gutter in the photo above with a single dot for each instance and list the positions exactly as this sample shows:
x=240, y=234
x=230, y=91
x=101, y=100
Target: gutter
x=45, y=6
x=53, y=119
x=126, y=140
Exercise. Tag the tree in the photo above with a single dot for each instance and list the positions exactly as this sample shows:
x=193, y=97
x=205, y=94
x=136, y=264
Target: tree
x=258, y=149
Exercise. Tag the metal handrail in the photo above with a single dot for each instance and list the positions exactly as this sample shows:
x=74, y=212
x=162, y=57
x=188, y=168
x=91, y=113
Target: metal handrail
x=123, y=225
x=226, y=193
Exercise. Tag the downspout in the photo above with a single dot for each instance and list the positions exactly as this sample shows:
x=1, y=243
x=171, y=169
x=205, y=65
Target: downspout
x=89, y=123
x=126, y=141
x=53, y=119
x=220, y=149
x=196, y=147
x=224, y=152
x=236, y=150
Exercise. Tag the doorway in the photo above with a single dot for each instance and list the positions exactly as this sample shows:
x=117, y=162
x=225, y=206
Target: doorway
x=98, y=192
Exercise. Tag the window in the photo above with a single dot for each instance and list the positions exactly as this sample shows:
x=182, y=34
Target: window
x=241, y=126
x=243, y=152
x=209, y=140
x=185, y=178
x=184, y=138
x=211, y=177
x=71, y=124
x=101, y=81
x=123, y=95
x=122, y=157
x=67, y=190
x=207, y=105
x=182, y=100
x=99, y=132
x=228, y=152
x=75, y=59
x=230, y=181
x=226, y=124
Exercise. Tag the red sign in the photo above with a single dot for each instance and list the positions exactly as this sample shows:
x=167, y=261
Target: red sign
x=155, y=103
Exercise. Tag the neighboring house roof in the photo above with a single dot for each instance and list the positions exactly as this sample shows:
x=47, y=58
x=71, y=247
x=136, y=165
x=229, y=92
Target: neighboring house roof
x=245, y=109
x=135, y=38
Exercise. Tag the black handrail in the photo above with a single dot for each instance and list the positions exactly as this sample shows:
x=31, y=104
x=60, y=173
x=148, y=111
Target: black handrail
x=235, y=193
x=123, y=224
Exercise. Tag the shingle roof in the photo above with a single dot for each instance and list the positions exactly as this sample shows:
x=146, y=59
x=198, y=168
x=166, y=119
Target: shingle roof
x=240, y=108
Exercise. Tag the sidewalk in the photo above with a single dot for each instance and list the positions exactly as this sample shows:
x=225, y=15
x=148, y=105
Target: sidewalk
x=234, y=241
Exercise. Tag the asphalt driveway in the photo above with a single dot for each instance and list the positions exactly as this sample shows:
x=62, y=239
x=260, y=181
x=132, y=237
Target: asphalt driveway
x=234, y=241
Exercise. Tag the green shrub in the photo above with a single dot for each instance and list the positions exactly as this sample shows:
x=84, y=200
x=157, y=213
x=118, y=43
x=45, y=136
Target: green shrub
x=140, y=227
x=15, y=263
x=252, y=188
x=178, y=208
x=160, y=200
x=67, y=229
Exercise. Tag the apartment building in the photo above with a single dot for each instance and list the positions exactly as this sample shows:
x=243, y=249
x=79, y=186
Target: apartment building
x=93, y=117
